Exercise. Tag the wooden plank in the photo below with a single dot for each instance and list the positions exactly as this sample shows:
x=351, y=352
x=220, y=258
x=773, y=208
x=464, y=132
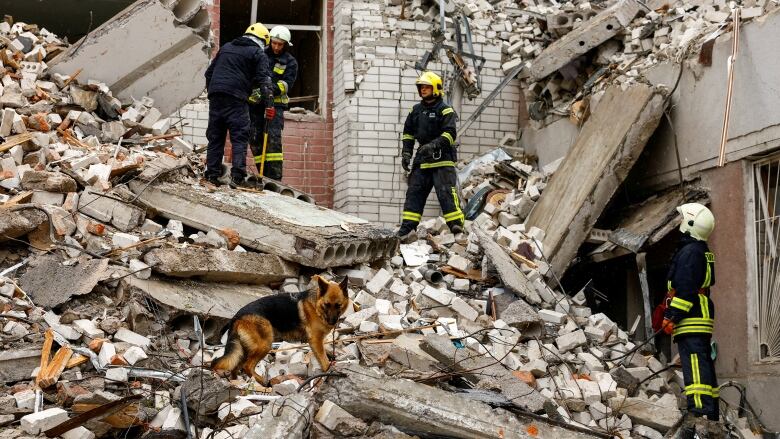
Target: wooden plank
x=53, y=371
x=48, y=339
x=606, y=149
x=12, y=141
x=76, y=360
x=20, y=198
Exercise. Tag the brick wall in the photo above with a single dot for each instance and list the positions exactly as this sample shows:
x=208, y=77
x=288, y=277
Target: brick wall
x=374, y=89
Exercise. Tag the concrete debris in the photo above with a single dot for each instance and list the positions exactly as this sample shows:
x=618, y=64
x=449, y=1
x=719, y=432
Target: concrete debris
x=168, y=57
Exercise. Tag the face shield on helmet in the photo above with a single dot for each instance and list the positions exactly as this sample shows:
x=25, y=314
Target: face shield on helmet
x=697, y=220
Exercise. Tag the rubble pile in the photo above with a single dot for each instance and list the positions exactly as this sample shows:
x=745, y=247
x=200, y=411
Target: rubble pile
x=534, y=34
x=455, y=324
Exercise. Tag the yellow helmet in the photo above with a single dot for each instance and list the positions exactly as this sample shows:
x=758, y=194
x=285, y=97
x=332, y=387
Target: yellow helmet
x=259, y=31
x=432, y=79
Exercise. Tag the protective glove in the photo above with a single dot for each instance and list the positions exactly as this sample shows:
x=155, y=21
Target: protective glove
x=256, y=97
x=667, y=326
x=270, y=113
x=427, y=150
x=406, y=160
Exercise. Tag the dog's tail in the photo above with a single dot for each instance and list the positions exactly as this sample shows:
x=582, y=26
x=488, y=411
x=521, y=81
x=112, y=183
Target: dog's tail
x=234, y=354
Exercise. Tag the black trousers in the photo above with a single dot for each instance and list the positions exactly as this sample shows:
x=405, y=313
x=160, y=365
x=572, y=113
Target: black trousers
x=227, y=114
x=420, y=183
x=274, y=154
x=701, y=384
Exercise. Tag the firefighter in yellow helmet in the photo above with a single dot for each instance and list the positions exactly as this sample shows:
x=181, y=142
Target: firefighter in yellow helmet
x=690, y=315
x=431, y=124
x=240, y=67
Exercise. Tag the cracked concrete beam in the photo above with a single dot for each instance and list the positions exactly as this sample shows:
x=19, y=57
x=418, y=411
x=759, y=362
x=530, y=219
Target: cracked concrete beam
x=219, y=265
x=161, y=55
x=605, y=151
x=272, y=223
x=419, y=409
x=588, y=35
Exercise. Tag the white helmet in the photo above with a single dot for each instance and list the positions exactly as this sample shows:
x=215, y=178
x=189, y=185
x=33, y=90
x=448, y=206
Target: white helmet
x=697, y=220
x=282, y=33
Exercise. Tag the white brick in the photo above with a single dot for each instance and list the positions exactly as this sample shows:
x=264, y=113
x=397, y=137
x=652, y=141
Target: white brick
x=464, y=309
x=571, y=340
x=552, y=316
x=380, y=280
x=126, y=335
x=36, y=423
x=134, y=354
x=78, y=433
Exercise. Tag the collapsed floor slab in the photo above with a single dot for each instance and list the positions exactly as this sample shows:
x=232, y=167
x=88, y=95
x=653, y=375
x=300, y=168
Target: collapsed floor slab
x=420, y=409
x=18, y=364
x=164, y=56
x=605, y=151
x=201, y=298
x=272, y=223
x=50, y=283
x=218, y=265
x=583, y=38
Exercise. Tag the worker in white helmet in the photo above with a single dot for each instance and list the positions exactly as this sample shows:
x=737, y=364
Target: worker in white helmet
x=690, y=317
x=284, y=71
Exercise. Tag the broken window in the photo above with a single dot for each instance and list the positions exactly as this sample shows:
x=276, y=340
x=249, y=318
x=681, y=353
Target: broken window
x=304, y=18
x=767, y=235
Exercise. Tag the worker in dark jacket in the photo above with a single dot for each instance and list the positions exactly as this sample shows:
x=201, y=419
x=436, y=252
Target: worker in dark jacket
x=690, y=315
x=240, y=67
x=432, y=124
x=284, y=71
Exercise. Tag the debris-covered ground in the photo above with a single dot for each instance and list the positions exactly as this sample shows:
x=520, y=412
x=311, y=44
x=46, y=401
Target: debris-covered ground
x=113, y=308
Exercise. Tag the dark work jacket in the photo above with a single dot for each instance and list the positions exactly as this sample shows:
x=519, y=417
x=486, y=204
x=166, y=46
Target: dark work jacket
x=692, y=271
x=284, y=72
x=239, y=67
x=431, y=123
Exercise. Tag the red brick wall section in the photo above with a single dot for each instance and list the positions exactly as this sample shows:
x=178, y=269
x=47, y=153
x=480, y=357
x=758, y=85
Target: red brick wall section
x=212, y=6
x=308, y=142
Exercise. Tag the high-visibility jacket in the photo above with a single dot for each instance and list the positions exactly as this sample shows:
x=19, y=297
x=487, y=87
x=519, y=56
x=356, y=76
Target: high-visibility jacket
x=284, y=72
x=691, y=274
x=433, y=123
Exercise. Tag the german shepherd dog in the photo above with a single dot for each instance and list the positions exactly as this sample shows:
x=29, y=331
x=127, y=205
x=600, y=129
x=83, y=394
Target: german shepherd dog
x=310, y=318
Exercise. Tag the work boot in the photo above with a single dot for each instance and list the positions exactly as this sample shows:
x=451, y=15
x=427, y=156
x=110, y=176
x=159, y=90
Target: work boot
x=255, y=182
x=406, y=235
x=237, y=182
x=456, y=228
x=214, y=180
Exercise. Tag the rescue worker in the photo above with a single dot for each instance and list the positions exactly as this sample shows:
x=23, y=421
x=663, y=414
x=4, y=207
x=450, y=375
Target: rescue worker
x=240, y=67
x=284, y=71
x=690, y=315
x=432, y=124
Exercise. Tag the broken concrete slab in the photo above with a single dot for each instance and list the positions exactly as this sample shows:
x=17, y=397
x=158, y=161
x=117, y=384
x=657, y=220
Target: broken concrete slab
x=585, y=37
x=123, y=216
x=165, y=57
x=51, y=283
x=219, y=265
x=645, y=412
x=19, y=364
x=202, y=298
x=16, y=223
x=510, y=274
x=48, y=181
x=286, y=417
x=605, y=151
x=478, y=367
x=292, y=229
x=423, y=410
x=524, y=317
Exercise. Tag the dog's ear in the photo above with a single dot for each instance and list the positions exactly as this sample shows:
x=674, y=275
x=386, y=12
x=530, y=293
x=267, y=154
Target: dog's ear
x=323, y=285
x=343, y=285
